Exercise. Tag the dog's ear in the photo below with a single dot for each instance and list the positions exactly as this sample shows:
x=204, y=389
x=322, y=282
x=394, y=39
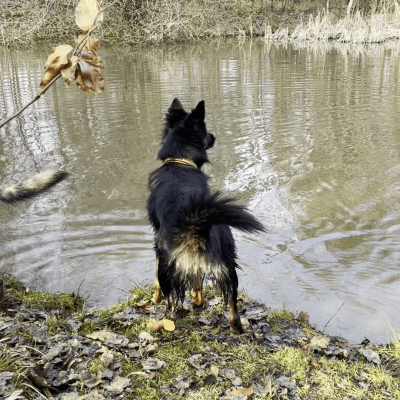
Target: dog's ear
x=175, y=114
x=199, y=112
x=176, y=105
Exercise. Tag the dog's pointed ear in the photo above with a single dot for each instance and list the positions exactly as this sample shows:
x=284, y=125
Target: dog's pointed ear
x=176, y=105
x=199, y=112
x=175, y=114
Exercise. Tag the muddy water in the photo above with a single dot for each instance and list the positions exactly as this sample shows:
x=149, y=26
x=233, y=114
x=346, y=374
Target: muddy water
x=308, y=138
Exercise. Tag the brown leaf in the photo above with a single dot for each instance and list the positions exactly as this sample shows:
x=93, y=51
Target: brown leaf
x=91, y=45
x=246, y=392
x=86, y=13
x=56, y=61
x=69, y=72
x=91, y=59
x=144, y=305
x=88, y=77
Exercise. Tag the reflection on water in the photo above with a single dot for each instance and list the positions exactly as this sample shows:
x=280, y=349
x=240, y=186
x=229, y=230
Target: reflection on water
x=307, y=137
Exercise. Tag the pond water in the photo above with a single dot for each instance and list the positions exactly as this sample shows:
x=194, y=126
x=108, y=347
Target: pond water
x=308, y=138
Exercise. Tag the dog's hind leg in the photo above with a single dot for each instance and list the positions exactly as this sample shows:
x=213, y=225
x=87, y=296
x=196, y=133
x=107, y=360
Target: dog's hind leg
x=172, y=308
x=234, y=316
x=157, y=296
x=197, y=293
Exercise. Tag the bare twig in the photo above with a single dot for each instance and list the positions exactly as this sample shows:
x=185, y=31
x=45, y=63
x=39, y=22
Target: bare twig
x=323, y=330
x=77, y=51
x=37, y=97
x=33, y=388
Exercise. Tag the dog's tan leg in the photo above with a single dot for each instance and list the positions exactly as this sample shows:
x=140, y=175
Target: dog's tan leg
x=197, y=293
x=157, y=296
x=234, y=316
x=172, y=309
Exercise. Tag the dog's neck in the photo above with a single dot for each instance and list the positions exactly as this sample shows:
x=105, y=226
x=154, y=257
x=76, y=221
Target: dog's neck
x=183, y=161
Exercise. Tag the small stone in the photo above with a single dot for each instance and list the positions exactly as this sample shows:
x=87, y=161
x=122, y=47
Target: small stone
x=118, y=384
x=165, y=389
x=92, y=396
x=145, y=337
x=214, y=370
x=197, y=361
x=237, y=381
x=153, y=364
x=227, y=373
x=200, y=372
x=102, y=335
x=210, y=379
x=182, y=384
x=286, y=383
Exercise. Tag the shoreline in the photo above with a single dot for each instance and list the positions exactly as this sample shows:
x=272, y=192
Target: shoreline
x=141, y=23
x=52, y=347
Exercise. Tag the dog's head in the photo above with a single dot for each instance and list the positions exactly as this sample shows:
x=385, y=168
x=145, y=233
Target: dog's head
x=185, y=134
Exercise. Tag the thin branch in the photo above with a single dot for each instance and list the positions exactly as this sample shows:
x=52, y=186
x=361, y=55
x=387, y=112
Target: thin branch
x=332, y=317
x=37, y=97
x=77, y=51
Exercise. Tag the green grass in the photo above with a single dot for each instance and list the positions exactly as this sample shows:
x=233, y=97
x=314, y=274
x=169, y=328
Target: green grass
x=96, y=366
x=46, y=301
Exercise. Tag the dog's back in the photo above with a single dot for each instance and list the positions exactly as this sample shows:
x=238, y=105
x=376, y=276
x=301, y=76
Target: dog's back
x=193, y=239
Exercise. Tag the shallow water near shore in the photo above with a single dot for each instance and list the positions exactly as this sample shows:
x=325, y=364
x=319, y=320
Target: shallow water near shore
x=307, y=137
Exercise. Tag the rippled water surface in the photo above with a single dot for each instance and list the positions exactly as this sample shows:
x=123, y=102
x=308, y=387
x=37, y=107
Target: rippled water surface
x=309, y=139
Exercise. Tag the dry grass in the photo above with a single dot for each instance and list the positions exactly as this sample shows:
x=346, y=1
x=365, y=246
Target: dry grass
x=137, y=22
x=380, y=26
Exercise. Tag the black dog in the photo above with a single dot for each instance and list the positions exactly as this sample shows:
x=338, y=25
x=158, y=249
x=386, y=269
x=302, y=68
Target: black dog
x=193, y=239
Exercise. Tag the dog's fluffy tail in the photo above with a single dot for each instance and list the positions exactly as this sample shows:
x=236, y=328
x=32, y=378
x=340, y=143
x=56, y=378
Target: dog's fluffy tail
x=31, y=187
x=219, y=210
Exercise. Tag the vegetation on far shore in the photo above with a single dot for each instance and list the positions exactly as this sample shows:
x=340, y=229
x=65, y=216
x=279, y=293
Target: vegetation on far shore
x=141, y=22
x=52, y=347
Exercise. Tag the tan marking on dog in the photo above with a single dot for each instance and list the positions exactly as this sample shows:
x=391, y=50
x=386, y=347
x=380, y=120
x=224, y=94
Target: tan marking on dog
x=191, y=261
x=157, y=296
x=198, y=298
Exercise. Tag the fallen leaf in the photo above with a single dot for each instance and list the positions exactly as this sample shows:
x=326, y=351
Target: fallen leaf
x=102, y=335
x=153, y=364
x=56, y=61
x=118, y=384
x=371, y=356
x=85, y=14
x=321, y=342
x=246, y=392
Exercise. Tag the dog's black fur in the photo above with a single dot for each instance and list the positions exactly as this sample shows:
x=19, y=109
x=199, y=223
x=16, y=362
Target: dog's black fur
x=193, y=239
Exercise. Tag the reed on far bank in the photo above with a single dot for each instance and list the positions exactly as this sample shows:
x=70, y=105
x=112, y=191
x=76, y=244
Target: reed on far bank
x=142, y=22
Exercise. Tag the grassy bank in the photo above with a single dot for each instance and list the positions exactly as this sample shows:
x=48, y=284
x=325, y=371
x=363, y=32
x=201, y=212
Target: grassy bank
x=52, y=347
x=139, y=22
